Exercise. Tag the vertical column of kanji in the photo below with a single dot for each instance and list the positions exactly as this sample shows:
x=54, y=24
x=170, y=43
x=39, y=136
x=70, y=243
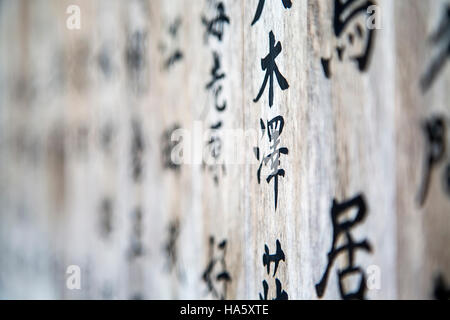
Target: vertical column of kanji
x=110, y=156
x=28, y=109
x=191, y=248
x=168, y=114
x=423, y=160
x=274, y=99
x=219, y=116
x=310, y=168
x=225, y=155
x=181, y=61
x=223, y=143
x=137, y=178
x=81, y=185
x=358, y=61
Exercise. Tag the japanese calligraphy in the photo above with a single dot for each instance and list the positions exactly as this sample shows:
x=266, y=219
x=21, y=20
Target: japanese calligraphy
x=441, y=40
x=135, y=54
x=274, y=128
x=342, y=227
x=136, y=61
x=354, y=38
x=214, y=148
x=211, y=276
x=174, y=264
x=171, y=244
x=273, y=258
x=286, y=3
x=214, y=84
x=175, y=54
x=215, y=26
x=268, y=64
x=268, y=259
x=435, y=131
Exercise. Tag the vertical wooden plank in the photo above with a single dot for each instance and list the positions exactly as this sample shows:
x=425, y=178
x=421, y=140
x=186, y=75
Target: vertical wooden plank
x=91, y=118
x=267, y=224
x=422, y=225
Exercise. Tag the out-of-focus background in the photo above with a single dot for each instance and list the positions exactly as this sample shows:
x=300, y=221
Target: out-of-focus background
x=221, y=149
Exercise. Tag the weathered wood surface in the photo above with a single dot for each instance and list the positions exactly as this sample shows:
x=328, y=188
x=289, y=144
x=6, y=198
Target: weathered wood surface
x=83, y=115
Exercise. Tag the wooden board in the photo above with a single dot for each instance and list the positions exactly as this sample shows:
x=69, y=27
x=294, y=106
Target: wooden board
x=91, y=117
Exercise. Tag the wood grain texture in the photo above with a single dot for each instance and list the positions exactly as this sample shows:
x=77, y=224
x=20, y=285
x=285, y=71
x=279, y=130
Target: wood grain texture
x=85, y=115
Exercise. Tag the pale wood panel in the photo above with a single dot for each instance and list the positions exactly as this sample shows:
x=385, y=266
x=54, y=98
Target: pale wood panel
x=85, y=115
x=423, y=230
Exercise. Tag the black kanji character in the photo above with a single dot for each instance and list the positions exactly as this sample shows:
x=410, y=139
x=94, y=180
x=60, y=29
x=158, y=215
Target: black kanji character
x=342, y=227
x=275, y=258
x=286, y=3
x=222, y=275
x=274, y=130
x=215, y=26
x=346, y=12
x=268, y=64
x=213, y=85
x=279, y=295
x=435, y=131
